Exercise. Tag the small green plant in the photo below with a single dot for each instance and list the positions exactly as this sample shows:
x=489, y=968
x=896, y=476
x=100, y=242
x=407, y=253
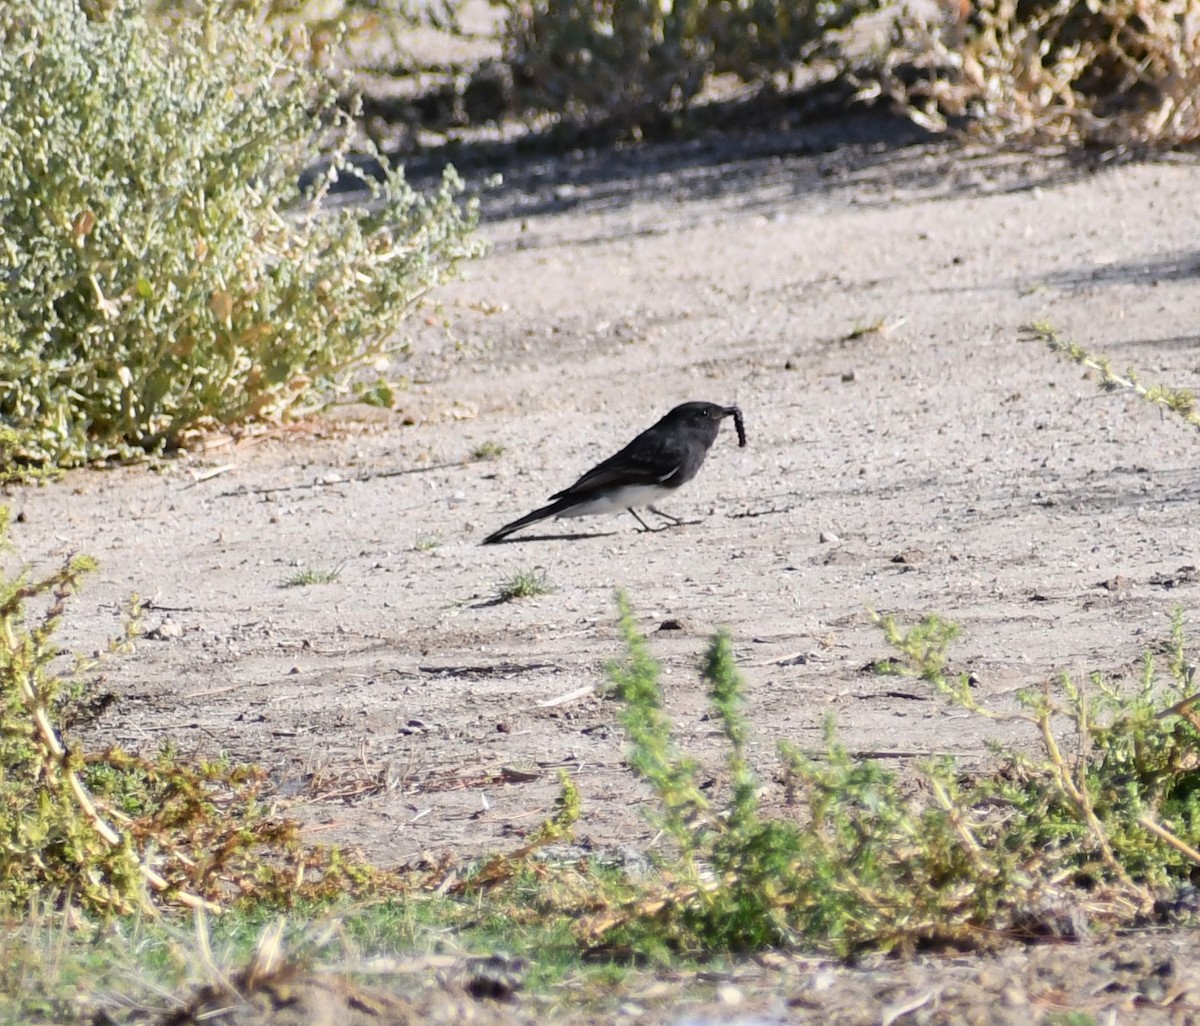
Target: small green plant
x=856, y=874
x=170, y=262
x=923, y=646
x=305, y=576
x=427, y=543
x=54, y=838
x=486, y=451
x=1119, y=802
x=523, y=584
x=737, y=873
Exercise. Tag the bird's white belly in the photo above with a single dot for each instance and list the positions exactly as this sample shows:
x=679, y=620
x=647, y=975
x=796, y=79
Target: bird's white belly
x=634, y=496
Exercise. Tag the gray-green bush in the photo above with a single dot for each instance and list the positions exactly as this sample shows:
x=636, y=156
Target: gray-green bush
x=628, y=61
x=161, y=267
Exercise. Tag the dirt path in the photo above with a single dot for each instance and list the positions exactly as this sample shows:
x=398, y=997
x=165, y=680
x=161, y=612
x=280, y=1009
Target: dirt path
x=949, y=467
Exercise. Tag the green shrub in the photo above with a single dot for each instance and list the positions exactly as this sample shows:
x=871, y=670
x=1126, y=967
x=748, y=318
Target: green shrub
x=868, y=866
x=1101, y=815
x=633, y=61
x=161, y=268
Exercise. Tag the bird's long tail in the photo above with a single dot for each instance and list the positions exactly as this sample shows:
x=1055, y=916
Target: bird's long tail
x=529, y=518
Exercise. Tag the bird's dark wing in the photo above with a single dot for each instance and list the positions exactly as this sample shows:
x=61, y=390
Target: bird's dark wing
x=651, y=458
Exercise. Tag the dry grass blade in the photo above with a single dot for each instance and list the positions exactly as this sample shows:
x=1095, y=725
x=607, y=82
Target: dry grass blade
x=279, y=978
x=898, y=1012
x=1165, y=835
x=1080, y=797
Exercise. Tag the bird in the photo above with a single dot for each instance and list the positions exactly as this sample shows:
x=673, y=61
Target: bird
x=660, y=460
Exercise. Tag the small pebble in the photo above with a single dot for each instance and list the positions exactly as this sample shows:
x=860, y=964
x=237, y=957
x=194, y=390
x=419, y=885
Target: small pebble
x=822, y=980
x=167, y=630
x=729, y=995
x=1014, y=996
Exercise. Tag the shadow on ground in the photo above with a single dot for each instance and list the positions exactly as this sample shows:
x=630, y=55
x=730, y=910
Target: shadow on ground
x=716, y=150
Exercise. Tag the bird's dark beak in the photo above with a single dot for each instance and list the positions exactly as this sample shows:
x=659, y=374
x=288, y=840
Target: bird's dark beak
x=736, y=414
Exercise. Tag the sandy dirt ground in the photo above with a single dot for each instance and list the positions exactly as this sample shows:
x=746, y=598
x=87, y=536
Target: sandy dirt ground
x=937, y=465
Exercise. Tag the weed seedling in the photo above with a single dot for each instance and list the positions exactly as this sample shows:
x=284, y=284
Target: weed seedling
x=312, y=575
x=486, y=451
x=523, y=584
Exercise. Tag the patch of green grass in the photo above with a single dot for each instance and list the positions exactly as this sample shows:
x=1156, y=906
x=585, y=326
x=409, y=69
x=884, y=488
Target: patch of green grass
x=312, y=575
x=523, y=584
x=488, y=450
x=506, y=924
x=56, y=968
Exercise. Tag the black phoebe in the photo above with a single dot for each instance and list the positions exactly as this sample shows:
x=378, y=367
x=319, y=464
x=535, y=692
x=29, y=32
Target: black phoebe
x=654, y=464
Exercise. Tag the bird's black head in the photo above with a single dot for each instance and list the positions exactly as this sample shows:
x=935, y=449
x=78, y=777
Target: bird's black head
x=707, y=418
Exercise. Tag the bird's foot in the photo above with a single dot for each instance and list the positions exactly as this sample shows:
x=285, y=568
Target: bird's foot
x=675, y=521
x=647, y=529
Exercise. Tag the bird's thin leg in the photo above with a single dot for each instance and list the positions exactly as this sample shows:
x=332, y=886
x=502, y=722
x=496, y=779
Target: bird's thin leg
x=645, y=526
x=666, y=516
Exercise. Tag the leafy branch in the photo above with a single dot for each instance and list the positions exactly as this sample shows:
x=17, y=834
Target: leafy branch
x=1179, y=401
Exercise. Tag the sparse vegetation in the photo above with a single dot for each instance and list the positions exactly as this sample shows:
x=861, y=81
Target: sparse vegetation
x=427, y=543
x=54, y=838
x=864, y=860
x=109, y=833
x=523, y=584
x=1120, y=814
